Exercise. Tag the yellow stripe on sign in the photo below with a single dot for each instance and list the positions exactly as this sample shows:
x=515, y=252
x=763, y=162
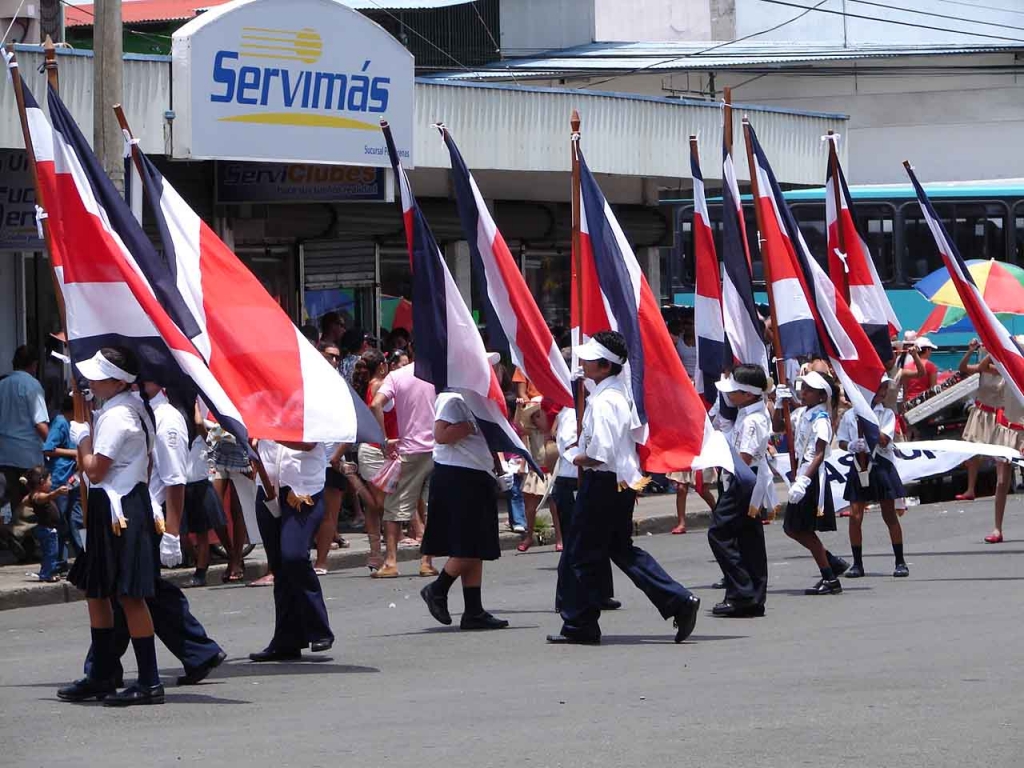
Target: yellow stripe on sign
x=303, y=121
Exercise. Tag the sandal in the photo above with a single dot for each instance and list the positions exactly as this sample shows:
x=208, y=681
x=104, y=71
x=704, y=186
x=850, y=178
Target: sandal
x=374, y=563
x=320, y=571
x=558, y=547
x=230, y=576
x=679, y=530
x=524, y=545
x=994, y=538
x=408, y=541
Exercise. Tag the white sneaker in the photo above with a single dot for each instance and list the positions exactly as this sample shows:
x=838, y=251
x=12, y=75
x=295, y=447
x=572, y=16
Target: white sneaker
x=518, y=529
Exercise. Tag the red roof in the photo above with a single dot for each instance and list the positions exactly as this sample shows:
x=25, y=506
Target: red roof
x=142, y=11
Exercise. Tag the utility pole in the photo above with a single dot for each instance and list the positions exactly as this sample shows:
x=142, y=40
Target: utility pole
x=108, y=52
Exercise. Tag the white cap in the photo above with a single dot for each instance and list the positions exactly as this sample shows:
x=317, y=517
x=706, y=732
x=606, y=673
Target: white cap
x=493, y=358
x=923, y=342
x=98, y=368
x=886, y=378
x=731, y=385
x=815, y=380
x=595, y=350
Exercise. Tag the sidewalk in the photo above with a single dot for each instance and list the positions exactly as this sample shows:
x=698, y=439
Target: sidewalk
x=654, y=514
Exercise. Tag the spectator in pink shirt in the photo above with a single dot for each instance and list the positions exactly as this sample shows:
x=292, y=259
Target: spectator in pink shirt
x=414, y=409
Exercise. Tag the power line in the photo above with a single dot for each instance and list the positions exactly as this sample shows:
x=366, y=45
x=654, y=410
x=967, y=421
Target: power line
x=706, y=50
x=983, y=7
x=138, y=33
x=846, y=14
x=421, y=37
x=936, y=15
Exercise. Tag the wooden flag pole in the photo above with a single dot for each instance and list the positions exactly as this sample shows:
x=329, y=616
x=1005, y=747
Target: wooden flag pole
x=780, y=363
x=50, y=65
x=81, y=408
x=123, y=122
x=727, y=123
x=577, y=260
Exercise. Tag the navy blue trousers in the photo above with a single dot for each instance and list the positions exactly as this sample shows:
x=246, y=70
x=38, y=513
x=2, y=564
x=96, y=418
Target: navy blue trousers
x=300, y=613
x=737, y=541
x=563, y=495
x=174, y=624
x=602, y=530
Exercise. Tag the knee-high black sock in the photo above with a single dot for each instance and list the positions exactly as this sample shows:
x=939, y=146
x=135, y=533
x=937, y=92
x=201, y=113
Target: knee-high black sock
x=858, y=556
x=145, y=657
x=474, y=606
x=102, y=653
x=827, y=573
x=897, y=549
x=444, y=582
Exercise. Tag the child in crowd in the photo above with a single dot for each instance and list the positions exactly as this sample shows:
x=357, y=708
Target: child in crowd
x=39, y=504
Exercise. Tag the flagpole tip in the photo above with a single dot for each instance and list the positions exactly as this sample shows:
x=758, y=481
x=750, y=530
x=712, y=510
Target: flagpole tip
x=574, y=121
x=383, y=123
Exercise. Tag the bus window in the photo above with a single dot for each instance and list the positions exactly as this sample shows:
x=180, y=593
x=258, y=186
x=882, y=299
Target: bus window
x=683, y=264
x=1018, y=232
x=876, y=224
x=978, y=229
x=811, y=220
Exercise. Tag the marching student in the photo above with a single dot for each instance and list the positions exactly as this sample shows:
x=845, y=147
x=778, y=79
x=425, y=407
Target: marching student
x=810, y=507
x=736, y=534
x=880, y=483
x=175, y=500
x=463, y=520
x=119, y=562
x=1009, y=432
x=982, y=421
x=289, y=509
x=602, y=525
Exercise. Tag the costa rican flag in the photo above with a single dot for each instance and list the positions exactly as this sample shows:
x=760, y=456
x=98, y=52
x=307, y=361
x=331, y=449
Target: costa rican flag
x=712, y=348
x=616, y=297
x=530, y=343
x=852, y=269
x=198, y=314
x=1007, y=353
x=743, y=326
x=813, y=318
x=450, y=353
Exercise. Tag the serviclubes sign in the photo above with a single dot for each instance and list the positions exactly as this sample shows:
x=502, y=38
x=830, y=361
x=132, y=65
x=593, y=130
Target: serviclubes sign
x=290, y=81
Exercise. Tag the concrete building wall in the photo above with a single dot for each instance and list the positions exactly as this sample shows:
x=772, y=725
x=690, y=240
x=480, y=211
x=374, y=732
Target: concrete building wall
x=531, y=26
x=652, y=20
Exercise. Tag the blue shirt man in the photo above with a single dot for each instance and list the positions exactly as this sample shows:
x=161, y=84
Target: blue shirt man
x=61, y=467
x=23, y=416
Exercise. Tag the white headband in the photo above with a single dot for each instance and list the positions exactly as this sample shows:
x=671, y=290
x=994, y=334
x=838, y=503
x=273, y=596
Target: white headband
x=731, y=385
x=98, y=368
x=814, y=380
x=595, y=350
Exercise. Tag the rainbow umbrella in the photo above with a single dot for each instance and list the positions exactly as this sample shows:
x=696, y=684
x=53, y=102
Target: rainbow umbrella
x=1001, y=286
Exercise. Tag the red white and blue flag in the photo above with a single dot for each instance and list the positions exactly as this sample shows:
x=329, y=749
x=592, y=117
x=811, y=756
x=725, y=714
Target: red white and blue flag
x=616, y=297
x=224, y=335
x=450, y=352
x=713, y=354
x=743, y=327
x=1004, y=349
x=530, y=342
x=813, y=318
x=853, y=270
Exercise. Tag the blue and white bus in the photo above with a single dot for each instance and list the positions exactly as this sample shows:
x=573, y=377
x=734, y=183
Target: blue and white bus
x=985, y=218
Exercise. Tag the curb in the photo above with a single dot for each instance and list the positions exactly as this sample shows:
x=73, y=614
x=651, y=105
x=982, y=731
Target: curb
x=338, y=560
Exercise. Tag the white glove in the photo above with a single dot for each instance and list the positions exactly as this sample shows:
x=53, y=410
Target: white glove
x=860, y=445
x=505, y=482
x=782, y=394
x=170, y=550
x=798, y=489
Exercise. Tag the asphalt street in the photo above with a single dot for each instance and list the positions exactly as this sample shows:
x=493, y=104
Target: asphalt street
x=914, y=672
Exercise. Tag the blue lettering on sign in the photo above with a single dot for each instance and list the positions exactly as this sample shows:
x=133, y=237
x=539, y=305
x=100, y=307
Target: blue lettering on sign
x=308, y=89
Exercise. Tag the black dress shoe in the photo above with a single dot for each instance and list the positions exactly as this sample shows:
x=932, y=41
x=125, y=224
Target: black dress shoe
x=720, y=584
x=901, y=571
x=686, y=618
x=574, y=639
x=610, y=604
x=737, y=610
x=825, y=587
x=136, y=694
x=87, y=688
x=196, y=675
x=838, y=565
x=855, y=572
x=319, y=646
x=272, y=654
x=482, y=621
x=197, y=580
x=436, y=604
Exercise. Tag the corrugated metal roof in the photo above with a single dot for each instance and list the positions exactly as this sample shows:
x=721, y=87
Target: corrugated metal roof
x=150, y=11
x=612, y=58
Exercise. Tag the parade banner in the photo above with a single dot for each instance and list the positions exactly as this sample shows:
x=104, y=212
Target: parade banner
x=914, y=461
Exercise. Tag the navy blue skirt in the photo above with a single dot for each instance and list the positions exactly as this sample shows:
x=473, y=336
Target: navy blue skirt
x=462, y=514
x=803, y=516
x=884, y=483
x=118, y=566
x=203, y=510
